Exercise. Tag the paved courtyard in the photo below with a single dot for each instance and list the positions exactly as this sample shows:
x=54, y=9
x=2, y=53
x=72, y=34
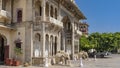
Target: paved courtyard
x=112, y=61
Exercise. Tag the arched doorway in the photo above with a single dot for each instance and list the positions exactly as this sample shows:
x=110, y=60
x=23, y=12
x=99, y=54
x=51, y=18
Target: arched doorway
x=51, y=46
x=4, y=51
x=37, y=45
x=47, y=45
x=55, y=45
x=67, y=33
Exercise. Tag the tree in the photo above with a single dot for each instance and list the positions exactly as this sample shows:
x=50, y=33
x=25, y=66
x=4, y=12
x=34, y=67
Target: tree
x=101, y=41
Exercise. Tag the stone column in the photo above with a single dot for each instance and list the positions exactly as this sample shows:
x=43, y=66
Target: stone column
x=43, y=26
x=33, y=12
x=59, y=41
x=43, y=39
x=29, y=42
x=59, y=7
x=63, y=39
x=73, y=32
x=49, y=44
x=0, y=4
x=43, y=11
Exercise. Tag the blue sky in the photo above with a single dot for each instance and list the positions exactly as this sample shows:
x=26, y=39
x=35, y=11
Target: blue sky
x=102, y=15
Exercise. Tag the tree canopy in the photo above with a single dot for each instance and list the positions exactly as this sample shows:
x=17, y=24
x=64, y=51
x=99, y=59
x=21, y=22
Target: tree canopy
x=101, y=41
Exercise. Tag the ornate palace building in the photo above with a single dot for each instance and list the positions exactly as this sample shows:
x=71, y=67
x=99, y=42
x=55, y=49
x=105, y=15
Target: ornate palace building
x=84, y=28
x=39, y=27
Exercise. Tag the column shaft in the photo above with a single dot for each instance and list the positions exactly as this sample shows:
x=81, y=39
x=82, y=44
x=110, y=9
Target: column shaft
x=43, y=38
x=43, y=11
x=72, y=41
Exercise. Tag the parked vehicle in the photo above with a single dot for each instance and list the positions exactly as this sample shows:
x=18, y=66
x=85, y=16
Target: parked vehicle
x=102, y=54
x=99, y=54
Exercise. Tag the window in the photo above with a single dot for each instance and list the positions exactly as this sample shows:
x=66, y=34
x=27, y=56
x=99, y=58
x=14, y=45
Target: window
x=3, y=4
x=47, y=9
x=51, y=11
x=38, y=37
x=40, y=10
x=68, y=26
x=19, y=16
x=18, y=45
x=55, y=13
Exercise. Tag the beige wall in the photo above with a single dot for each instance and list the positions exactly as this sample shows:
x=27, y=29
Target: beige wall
x=19, y=4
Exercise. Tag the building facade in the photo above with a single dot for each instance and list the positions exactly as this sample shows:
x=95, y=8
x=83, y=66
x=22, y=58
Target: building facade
x=39, y=27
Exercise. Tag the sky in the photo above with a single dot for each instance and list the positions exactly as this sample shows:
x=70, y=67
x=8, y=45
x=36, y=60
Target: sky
x=102, y=15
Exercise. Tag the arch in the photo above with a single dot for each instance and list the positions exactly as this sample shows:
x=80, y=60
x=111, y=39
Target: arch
x=67, y=23
x=47, y=44
x=67, y=33
x=37, y=37
x=5, y=39
x=37, y=45
x=4, y=53
x=38, y=7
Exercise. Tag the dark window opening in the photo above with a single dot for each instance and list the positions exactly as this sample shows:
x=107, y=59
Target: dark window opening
x=3, y=4
x=51, y=11
x=40, y=10
x=19, y=16
x=55, y=13
x=18, y=45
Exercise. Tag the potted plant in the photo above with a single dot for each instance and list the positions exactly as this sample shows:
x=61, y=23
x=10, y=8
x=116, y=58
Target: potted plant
x=18, y=52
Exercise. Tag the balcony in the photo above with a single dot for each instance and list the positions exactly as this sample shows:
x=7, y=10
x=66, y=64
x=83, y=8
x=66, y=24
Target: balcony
x=54, y=21
x=4, y=16
x=78, y=32
x=38, y=19
x=51, y=20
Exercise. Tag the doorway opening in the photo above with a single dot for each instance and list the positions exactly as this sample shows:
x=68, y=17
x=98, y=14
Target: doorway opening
x=2, y=49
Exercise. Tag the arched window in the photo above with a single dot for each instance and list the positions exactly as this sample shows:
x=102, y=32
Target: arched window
x=55, y=13
x=19, y=15
x=51, y=11
x=47, y=9
x=38, y=37
x=68, y=26
x=38, y=8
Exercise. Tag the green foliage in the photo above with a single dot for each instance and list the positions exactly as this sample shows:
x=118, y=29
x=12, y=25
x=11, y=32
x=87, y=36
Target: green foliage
x=101, y=41
x=18, y=51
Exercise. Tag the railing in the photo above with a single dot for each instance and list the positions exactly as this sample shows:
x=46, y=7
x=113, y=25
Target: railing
x=37, y=23
x=38, y=19
x=55, y=21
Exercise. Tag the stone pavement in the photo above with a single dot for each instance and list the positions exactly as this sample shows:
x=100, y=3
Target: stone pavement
x=109, y=62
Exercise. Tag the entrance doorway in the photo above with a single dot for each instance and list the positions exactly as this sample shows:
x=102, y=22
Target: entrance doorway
x=2, y=49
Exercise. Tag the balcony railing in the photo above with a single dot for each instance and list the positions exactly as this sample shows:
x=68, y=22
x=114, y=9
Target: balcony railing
x=38, y=19
x=54, y=21
x=4, y=14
